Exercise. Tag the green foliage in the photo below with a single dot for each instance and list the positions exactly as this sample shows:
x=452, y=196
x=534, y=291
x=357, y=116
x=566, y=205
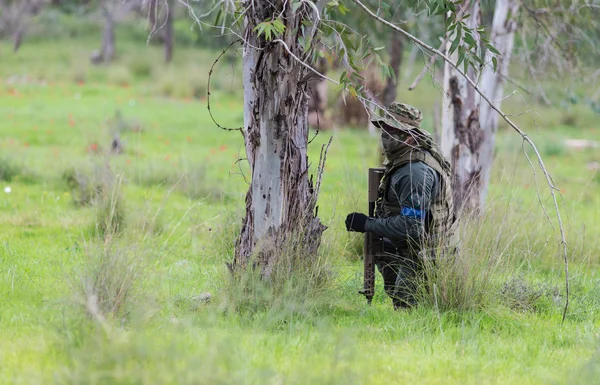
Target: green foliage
x=84, y=186
x=11, y=170
x=8, y=169
x=271, y=29
x=553, y=149
x=109, y=209
x=519, y=294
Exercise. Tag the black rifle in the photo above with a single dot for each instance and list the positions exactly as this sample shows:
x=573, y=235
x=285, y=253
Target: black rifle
x=373, y=243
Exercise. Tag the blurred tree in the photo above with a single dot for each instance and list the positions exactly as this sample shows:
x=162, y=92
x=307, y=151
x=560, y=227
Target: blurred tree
x=160, y=19
x=169, y=31
x=112, y=12
x=469, y=124
x=15, y=18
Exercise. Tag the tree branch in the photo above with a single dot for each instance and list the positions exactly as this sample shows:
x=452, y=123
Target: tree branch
x=426, y=67
x=526, y=138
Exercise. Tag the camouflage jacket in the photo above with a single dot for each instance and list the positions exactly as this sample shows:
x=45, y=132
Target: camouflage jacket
x=413, y=187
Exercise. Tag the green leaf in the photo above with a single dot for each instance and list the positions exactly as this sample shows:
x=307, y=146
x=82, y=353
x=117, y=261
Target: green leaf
x=495, y=63
x=479, y=60
x=279, y=26
x=343, y=10
x=346, y=39
x=352, y=91
x=454, y=45
x=492, y=49
x=218, y=18
x=470, y=40
x=461, y=55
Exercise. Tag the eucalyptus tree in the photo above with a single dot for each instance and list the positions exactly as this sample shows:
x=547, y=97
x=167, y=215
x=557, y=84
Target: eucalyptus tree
x=279, y=39
x=469, y=124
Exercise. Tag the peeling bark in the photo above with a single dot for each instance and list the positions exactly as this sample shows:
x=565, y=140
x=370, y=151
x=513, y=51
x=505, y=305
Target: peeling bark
x=281, y=201
x=468, y=126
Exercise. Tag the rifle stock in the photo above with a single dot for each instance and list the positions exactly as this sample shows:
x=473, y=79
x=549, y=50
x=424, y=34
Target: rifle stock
x=373, y=244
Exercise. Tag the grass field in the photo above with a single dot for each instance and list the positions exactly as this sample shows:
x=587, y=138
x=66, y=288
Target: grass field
x=179, y=189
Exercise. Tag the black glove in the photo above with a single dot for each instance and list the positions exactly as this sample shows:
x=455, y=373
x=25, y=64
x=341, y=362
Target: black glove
x=356, y=222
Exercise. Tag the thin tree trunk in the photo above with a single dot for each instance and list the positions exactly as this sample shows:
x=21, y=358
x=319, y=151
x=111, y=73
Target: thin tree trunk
x=169, y=35
x=108, y=37
x=396, y=49
x=281, y=200
x=502, y=36
x=19, y=20
x=462, y=135
x=469, y=126
x=18, y=38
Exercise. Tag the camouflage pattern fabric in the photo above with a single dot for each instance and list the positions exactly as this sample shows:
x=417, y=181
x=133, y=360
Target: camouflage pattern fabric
x=401, y=116
x=401, y=269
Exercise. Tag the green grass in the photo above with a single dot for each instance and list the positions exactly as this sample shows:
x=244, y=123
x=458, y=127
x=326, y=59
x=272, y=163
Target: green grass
x=182, y=203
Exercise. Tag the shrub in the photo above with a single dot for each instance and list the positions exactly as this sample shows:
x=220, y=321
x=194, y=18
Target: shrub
x=13, y=171
x=120, y=75
x=8, y=169
x=569, y=119
x=553, y=149
x=140, y=67
x=519, y=294
x=84, y=188
x=109, y=279
x=290, y=285
x=109, y=208
x=468, y=279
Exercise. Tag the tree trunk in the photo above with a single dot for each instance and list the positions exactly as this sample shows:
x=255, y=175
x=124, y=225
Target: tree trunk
x=502, y=35
x=108, y=37
x=469, y=127
x=396, y=49
x=281, y=201
x=462, y=135
x=169, y=35
x=18, y=38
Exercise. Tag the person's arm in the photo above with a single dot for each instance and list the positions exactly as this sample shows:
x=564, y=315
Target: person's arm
x=415, y=186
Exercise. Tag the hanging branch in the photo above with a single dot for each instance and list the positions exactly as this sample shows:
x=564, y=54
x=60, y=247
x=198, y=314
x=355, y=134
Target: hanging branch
x=525, y=137
x=208, y=88
x=425, y=68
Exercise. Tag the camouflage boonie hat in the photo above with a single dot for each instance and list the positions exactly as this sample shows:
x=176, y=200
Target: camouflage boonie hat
x=401, y=116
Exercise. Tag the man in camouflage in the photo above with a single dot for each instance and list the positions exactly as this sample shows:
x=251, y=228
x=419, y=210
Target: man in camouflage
x=415, y=213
